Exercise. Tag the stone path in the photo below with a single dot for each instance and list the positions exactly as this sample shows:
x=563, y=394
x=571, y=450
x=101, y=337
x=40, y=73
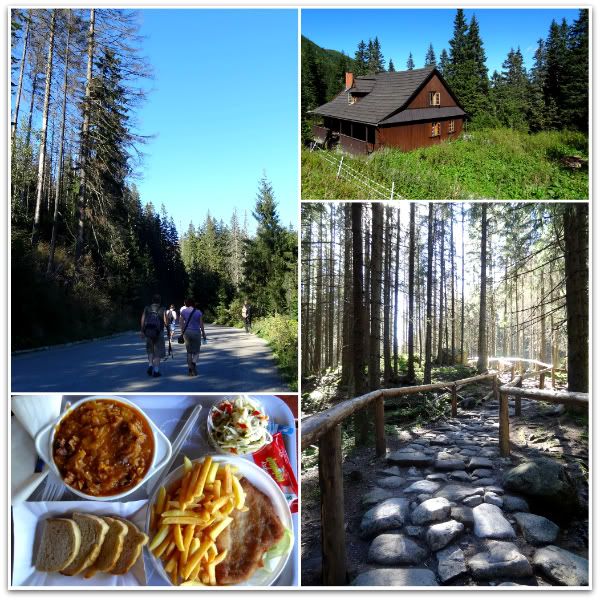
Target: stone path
x=443, y=511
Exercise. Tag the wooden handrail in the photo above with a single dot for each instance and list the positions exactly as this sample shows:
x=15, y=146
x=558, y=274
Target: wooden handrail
x=512, y=359
x=318, y=424
x=577, y=398
x=552, y=396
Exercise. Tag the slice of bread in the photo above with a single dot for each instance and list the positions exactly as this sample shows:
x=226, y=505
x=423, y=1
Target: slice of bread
x=93, y=531
x=132, y=548
x=60, y=543
x=111, y=548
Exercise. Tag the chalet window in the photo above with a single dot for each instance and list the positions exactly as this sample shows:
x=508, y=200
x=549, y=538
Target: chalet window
x=436, y=129
x=451, y=126
x=434, y=98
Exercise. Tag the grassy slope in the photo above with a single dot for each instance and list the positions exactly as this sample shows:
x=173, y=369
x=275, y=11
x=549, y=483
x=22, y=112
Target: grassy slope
x=494, y=164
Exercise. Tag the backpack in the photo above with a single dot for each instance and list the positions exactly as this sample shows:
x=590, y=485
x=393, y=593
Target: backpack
x=152, y=324
x=172, y=316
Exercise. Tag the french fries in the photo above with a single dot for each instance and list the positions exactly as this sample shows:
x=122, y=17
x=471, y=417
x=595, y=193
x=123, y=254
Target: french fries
x=189, y=517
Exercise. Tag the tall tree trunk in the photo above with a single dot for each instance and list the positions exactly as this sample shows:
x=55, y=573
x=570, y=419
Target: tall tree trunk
x=376, y=264
x=318, y=341
x=84, y=149
x=306, y=318
x=358, y=337
x=44, y=134
x=411, y=295
x=440, y=352
x=575, y=223
x=396, y=274
x=347, y=312
x=482, y=339
x=453, y=271
x=427, y=369
x=387, y=361
x=543, y=344
x=15, y=119
x=59, y=166
x=330, y=358
x=462, y=287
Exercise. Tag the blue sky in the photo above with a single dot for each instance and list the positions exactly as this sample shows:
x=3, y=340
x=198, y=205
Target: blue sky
x=222, y=108
x=401, y=31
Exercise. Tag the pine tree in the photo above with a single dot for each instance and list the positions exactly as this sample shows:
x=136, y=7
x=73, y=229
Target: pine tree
x=513, y=92
x=556, y=68
x=430, y=59
x=576, y=79
x=444, y=61
x=375, y=60
x=537, y=111
x=361, y=58
x=391, y=67
x=410, y=63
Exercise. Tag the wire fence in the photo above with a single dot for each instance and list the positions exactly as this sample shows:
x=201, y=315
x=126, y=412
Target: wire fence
x=372, y=189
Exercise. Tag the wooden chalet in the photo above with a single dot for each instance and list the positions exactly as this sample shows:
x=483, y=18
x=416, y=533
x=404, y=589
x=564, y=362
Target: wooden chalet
x=404, y=109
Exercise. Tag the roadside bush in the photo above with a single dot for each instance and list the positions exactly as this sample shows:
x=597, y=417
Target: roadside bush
x=281, y=333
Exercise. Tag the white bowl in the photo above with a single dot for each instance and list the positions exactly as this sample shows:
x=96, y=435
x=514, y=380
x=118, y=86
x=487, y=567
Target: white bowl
x=44, y=442
x=210, y=426
x=262, y=481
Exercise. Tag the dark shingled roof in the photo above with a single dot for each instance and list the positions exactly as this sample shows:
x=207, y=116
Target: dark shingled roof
x=424, y=114
x=386, y=94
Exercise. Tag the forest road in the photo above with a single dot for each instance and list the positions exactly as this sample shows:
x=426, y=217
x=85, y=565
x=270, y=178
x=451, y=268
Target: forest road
x=231, y=361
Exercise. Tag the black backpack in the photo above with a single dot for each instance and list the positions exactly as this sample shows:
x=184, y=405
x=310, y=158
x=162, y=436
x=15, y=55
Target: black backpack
x=152, y=324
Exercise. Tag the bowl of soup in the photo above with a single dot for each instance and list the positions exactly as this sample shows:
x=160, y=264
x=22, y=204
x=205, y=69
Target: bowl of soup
x=103, y=447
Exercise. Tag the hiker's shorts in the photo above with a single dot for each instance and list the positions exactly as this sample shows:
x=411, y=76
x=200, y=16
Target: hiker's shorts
x=192, y=341
x=156, y=349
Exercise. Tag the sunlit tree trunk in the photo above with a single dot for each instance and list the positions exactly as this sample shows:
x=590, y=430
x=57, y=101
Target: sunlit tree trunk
x=482, y=352
x=427, y=368
x=15, y=119
x=84, y=148
x=44, y=133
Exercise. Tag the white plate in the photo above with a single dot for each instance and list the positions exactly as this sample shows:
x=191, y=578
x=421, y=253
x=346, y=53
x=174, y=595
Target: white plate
x=27, y=518
x=262, y=481
x=162, y=448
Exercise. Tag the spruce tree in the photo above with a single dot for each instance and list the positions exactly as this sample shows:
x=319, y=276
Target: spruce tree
x=375, y=60
x=537, y=112
x=410, y=63
x=430, y=59
x=556, y=67
x=576, y=78
x=444, y=61
x=360, y=59
x=391, y=67
x=514, y=88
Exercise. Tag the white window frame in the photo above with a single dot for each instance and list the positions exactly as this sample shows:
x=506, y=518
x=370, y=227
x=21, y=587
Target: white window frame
x=434, y=99
x=451, y=126
x=436, y=126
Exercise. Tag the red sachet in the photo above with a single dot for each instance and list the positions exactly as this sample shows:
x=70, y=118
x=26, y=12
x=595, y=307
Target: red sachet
x=275, y=461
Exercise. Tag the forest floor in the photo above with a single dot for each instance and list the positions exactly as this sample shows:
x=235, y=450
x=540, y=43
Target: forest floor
x=231, y=361
x=404, y=553
x=501, y=164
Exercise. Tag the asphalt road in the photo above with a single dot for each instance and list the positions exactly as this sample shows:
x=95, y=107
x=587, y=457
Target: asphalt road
x=231, y=361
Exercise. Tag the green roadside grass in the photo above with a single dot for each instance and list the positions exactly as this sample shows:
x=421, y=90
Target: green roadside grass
x=499, y=164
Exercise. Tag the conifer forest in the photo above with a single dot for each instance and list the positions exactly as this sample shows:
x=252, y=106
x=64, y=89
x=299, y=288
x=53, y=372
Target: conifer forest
x=87, y=251
x=393, y=294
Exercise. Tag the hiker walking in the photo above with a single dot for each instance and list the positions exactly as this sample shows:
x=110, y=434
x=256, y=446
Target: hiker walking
x=192, y=329
x=247, y=315
x=153, y=324
x=171, y=323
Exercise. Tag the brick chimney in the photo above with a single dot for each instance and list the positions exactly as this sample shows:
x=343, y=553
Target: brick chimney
x=349, y=80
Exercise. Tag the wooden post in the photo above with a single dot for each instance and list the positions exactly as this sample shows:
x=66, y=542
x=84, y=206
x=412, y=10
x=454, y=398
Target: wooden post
x=503, y=429
x=380, y=447
x=542, y=380
x=454, y=401
x=333, y=538
x=553, y=378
